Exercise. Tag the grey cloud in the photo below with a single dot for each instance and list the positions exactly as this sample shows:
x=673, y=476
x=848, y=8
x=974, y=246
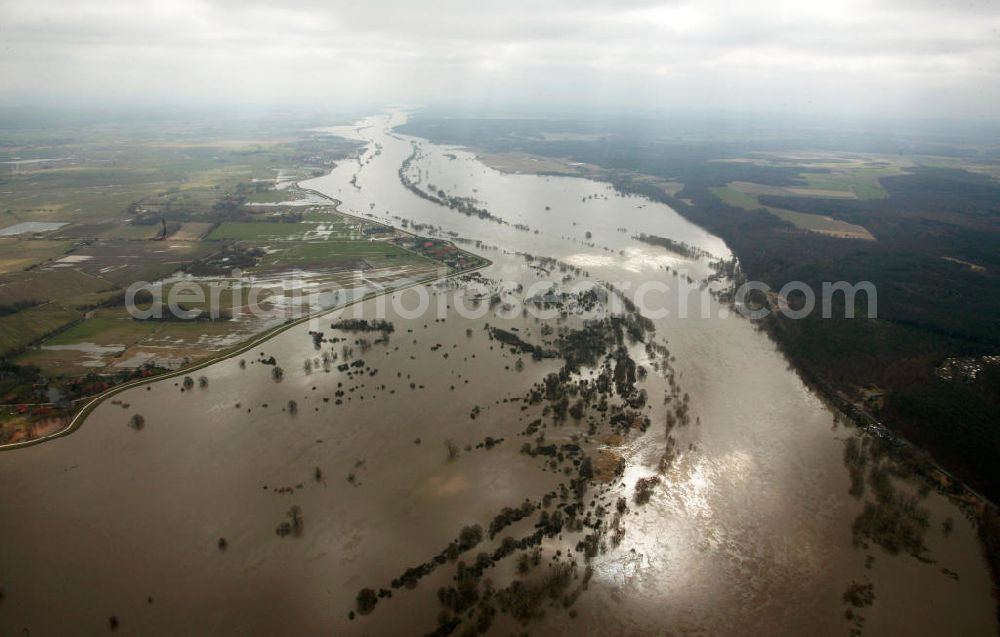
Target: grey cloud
x=680, y=52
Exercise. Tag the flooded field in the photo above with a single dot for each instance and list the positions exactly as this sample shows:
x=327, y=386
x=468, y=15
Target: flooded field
x=661, y=475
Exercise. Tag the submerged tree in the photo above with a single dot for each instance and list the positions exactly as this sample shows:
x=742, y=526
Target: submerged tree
x=644, y=488
x=294, y=525
x=298, y=524
x=367, y=598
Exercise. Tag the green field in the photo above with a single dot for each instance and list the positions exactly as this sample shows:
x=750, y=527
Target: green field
x=804, y=221
x=102, y=329
x=312, y=226
x=737, y=198
x=257, y=231
x=334, y=250
x=40, y=285
x=274, y=196
x=21, y=329
x=20, y=254
x=862, y=181
x=324, y=215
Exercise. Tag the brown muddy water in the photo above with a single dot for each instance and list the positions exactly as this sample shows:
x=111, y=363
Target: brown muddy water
x=749, y=531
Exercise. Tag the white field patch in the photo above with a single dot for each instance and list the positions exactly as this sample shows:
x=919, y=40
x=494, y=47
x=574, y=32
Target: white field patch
x=94, y=354
x=30, y=227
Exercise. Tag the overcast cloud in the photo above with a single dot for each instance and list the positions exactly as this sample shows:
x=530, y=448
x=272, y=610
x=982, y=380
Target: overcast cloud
x=920, y=57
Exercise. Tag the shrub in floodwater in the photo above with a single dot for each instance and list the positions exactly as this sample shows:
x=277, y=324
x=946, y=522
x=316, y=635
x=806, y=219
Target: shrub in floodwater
x=859, y=595
x=644, y=488
x=524, y=599
x=294, y=525
x=367, y=598
x=137, y=422
x=897, y=525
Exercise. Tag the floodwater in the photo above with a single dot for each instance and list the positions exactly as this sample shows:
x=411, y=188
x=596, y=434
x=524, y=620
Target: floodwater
x=750, y=532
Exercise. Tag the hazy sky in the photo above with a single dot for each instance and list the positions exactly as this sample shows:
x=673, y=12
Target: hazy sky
x=918, y=57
